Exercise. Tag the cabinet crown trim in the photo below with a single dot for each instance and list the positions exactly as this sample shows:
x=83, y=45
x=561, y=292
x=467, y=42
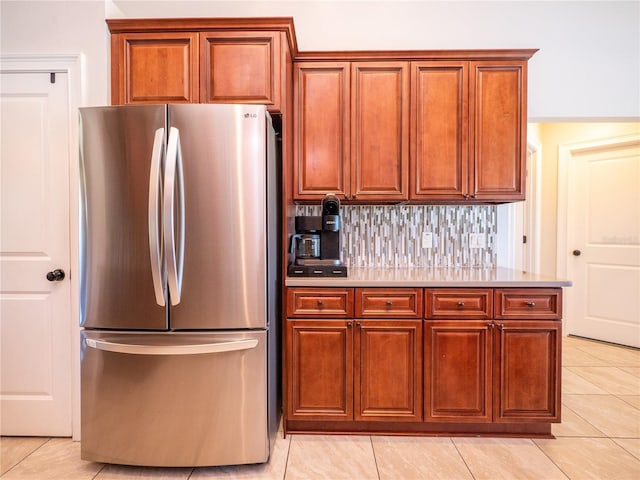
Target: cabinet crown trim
x=420, y=55
x=145, y=25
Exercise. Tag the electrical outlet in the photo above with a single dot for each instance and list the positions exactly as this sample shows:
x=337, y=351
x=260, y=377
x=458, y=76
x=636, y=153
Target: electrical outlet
x=427, y=240
x=477, y=240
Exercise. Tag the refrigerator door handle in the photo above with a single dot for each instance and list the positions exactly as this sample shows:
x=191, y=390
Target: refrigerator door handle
x=174, y=250
x=136, y=349
x=155, y=251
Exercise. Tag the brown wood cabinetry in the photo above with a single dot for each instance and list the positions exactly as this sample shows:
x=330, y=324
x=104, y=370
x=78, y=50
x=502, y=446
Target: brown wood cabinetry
x=240, y=67
x=199, y=61
x=320, y=370
x=439, y=130
x=476, y=360
x=458, y=380
x=527, y=371
x=388, y=370
x=508, y=371
x=498, y=122
x=158, y=67
x=469, y=130
x=352, y=130
x=353, y=369
x=321, y=140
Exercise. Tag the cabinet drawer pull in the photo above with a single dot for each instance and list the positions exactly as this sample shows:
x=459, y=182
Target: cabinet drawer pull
x=389, y=303
x=531, y=304
x=501, y=326
x=460, y=304
x=320, y=303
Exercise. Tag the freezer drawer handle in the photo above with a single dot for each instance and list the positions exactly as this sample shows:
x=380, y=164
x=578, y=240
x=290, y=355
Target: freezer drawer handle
x=219, y=347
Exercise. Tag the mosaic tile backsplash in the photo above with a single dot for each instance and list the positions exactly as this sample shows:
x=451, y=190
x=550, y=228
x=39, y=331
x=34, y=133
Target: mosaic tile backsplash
x=391, y=236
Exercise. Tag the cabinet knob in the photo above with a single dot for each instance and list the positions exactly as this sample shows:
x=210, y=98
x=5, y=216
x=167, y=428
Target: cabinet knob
x=320, y=303
x=531, y=304
x=348, y=324
x=491, y=325
x=576, y=253
x=389, y=304
x=358, y=324
x=460, y=304
x=501, y=326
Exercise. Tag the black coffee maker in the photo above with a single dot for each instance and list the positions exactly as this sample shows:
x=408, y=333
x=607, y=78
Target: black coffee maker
x=317, y=243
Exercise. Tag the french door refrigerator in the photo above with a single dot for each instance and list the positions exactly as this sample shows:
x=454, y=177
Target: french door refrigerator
x=179, y=284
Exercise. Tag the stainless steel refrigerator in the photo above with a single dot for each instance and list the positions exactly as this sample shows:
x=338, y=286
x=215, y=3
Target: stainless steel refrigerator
x=179, y=284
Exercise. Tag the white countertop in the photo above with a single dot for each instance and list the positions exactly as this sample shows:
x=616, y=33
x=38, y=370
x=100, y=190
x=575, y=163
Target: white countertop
x=430, y=277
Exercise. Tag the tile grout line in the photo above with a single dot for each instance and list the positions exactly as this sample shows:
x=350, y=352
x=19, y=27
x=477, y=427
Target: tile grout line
x=462, y=458
x=565, y=407
x=375, y=460
x=28, y=455
x=286, y=462
x=551, y=459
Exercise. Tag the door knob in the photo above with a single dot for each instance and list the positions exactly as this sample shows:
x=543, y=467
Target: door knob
x=576, y=253
x=56, y=275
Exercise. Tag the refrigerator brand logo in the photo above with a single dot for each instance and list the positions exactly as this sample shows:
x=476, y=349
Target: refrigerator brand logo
x=250, y=115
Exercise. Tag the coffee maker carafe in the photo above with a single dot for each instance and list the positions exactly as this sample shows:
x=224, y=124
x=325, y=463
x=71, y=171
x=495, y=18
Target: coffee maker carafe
x=317, y=243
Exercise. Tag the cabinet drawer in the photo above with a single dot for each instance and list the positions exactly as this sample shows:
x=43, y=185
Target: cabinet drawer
x=320, y=302
x=458, y=303
x=539, y=303
x=389, y=302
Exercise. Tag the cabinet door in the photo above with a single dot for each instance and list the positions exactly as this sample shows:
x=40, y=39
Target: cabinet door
x=498, y=117
x=527, y=371
x=379, y=130
x=458, y=371
x=154, y=68
x=439, y=129
x=388, y=370
x=240, y=67
x=321, y=136
x=320, y=356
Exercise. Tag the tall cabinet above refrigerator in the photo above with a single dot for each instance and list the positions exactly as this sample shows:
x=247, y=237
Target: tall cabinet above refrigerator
x=179, y=284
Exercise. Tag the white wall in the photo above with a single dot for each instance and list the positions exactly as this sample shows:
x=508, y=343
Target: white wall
x=61, y=27
x=588, y=66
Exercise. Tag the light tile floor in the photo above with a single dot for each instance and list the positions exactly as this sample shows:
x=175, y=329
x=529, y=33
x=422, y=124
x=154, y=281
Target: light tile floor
x=599, y=438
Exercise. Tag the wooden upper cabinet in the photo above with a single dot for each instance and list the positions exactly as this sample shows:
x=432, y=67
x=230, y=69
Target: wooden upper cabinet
x=154, y=68
x=469, y=130
x=439, y=129
x=202, y=60
x=240, y=67
x=352, y=130
x=321, y=132
x=498, y=118
x=379, y=130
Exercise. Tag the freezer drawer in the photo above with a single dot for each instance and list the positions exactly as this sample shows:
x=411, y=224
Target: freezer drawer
x=174, y=399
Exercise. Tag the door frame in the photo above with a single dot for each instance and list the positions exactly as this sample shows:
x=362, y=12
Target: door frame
x=510, y=218
x=566, y=152
x=73, y=65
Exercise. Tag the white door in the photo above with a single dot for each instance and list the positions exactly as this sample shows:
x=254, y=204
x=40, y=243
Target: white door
x=35, y=331
x=603, y=242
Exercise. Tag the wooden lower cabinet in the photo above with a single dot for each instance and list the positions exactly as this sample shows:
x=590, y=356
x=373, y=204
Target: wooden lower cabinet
x=320, y=382
x=346, y=369
x=458, y=371
x=505, y=371
x=527, y=371
x=473, y=361
x=388, y=370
